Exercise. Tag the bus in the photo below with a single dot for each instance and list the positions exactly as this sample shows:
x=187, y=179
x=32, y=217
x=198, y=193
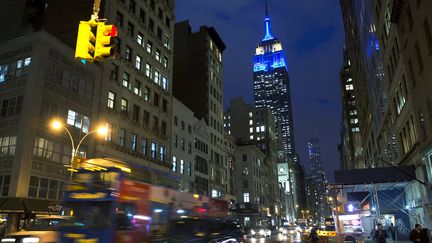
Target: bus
x=106, y=206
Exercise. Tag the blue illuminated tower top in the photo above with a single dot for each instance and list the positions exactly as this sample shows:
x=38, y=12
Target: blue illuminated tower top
x=271, y=86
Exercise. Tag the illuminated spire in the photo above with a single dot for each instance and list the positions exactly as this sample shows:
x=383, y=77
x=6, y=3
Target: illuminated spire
x=267, y=25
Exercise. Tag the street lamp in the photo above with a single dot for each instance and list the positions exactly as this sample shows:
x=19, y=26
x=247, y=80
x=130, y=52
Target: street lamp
x=57, y=125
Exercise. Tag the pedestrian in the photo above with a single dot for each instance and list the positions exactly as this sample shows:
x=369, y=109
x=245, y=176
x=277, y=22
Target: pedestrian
x=313, y=236
x=380, y=234
x=425, y=236
x=415, y=234
x=392, y=230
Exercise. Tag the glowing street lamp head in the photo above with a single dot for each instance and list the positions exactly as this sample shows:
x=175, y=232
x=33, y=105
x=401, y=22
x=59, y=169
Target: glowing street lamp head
x=102, y=130
x=56, y=124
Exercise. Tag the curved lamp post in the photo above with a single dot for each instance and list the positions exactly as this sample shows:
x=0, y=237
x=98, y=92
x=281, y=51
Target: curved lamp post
x=57, y=125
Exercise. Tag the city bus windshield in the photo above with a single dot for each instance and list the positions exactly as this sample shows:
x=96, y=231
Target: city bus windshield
x=89, y=214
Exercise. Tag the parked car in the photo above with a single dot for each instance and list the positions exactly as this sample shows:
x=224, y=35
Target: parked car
x=41, y=230
x=196, y=230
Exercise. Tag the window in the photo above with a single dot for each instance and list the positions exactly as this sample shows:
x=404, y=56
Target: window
x=146, y=118
x=114, y=71
x=189, y=169
x=140, y=39
x=133, y=141
x=159, y=33
x=7, y=146
x=78, y=120
x=157, y=55
x=428, y=35
x=167, y=21
x=164, y=105
x=156, y=99
x=122, y=137
x=175, y=138
x=119, y=19
x=174, y=164
x=349, y=87
x=12, y=106
x=108, y=134
x=135, y=112
x=143, y=145
x=152, y=4
x=245, y=170
x=154, y=150
x=246, y=197
x=43, y=148
x=245, y=184
x=130, y=29
x=149, y=47
x=142, y=16
x=151, y=25
x=155, y=123
x=182, y=144
x=160, y=13
x=181, y=166
x=125, y=81
x=132, y=6
x=175, y=120
x=124, y=104
x=419, y=57
x=137, y=88
x=146, y=93
x=163, y=128
x=157, y=77
x=182, y=125
x=148, y=70
x=190, y=148
x=164, y=83
x=138, y=62
x=128, y=53
x=165, y=62
x=244, y=157
x=111, y=100
x=189, y=129
x=162, y=153
x=167, y=41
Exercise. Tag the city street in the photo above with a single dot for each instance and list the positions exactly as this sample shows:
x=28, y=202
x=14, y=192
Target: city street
x=275, y=239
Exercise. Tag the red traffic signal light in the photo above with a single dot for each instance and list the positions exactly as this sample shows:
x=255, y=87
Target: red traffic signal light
x=105, y=36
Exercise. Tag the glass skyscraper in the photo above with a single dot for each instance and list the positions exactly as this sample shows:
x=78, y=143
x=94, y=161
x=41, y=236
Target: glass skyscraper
x=271, y=87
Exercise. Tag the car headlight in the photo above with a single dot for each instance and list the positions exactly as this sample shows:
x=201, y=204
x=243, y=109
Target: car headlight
x=8, y=240
x=30, y=240
x=261, y=232
x=253, y=232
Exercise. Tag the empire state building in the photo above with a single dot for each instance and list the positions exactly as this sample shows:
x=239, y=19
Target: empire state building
x=271, y=87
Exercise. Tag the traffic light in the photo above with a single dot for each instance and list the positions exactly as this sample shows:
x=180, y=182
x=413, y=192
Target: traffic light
x=85, y=41
x=105, y=36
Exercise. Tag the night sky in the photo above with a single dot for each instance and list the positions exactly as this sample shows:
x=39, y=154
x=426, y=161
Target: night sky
x=311, y=32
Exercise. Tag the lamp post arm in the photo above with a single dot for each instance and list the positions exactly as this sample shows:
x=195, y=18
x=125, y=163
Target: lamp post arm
x=72, y=142
x=403, y=172
x=82, y=139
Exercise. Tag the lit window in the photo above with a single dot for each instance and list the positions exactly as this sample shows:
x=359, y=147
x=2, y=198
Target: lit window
x=111, y=100
x=149, y=47
x=140, y=39
x=251, y=129
x=157, y=77
x=124, y=105
x=148, y=70
x=157, y=55
x=214, y=193
x=108, y=135
x=138, y=62
x=251, y=136
x=154, y=150
x=262, y=128
x=250, y=114
x=125, y=81
x=7, y=146
x=246, y=197
x=349, y=87
x=165, y=83
x=162, y=153
x=250, y=122
x=174, y=164
x=181, y=166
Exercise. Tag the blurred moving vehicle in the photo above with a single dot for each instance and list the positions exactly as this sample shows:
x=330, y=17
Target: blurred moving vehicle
x=109, y=204
x=196, y=230
x=260, y=232
x=41, y=230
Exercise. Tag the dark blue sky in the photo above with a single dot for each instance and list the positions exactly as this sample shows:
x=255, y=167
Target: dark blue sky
x=311, y=33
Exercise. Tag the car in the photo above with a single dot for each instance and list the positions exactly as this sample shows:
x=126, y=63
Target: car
x=41, y=230
x=260, y=232
x=197, y=230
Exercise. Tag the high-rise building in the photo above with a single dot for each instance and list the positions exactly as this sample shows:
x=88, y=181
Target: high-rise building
x=130, y=95
x=198, y=71
x=272, y=89
x=255, y=126
x=317, y=177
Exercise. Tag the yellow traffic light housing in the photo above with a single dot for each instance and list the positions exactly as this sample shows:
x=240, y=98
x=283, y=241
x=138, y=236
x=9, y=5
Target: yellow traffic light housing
x=85, y=47
x=105, y=36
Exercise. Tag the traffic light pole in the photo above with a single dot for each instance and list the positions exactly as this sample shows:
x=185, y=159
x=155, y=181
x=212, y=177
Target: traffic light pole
x=96, y=8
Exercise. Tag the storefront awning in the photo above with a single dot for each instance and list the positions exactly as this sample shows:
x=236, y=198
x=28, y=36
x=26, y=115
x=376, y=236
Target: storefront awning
x=27, y=205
